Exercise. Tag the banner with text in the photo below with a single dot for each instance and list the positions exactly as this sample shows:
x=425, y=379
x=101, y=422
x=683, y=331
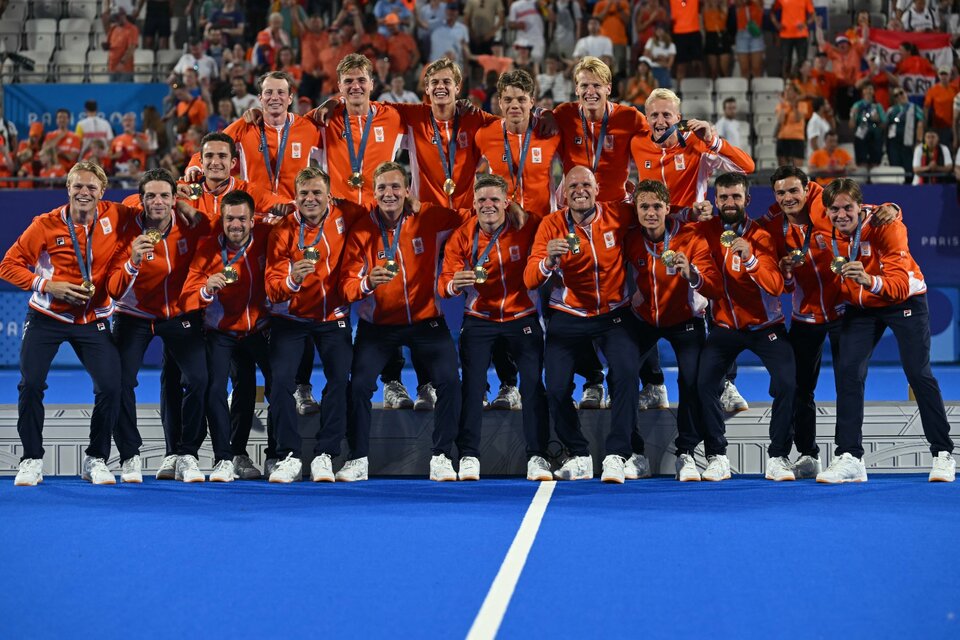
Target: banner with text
x=935, y=47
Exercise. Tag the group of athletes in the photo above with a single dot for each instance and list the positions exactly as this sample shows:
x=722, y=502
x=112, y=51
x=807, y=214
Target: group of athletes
x=234, y=274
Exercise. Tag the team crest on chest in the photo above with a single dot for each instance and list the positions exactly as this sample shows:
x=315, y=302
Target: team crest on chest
x=608, y=143
x=865, y=249
x=462, y=139
x=514, y=253
x=295, y=150
x=418, y=246
x=182, y=246
x=339, y=223
x=378, y=134
x=106, y=226
x=821, y=242
x=609, y=239
x=679, y=163
x=536, y=155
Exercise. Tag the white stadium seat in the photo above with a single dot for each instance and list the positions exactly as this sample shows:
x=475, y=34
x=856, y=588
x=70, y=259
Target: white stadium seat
x=75, y=34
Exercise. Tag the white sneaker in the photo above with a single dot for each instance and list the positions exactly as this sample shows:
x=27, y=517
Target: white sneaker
x=441, y=469
x=306, y=403
x=944, y=468
x=132, y=470
x=353, y=470
x=806, y=467
x=268, y=466
x=244, y=470
x=469, y=468
x=321, y=469
x=730, y=399
x=30, y=473
x=95, y=470
x=287, y=470
x=223, y=471
x=844, y=468
x=653, y=396
x=687, y=470
x=395, y=396
x=188, y=469
x=636, y=467
x=779, y=469
x=575, y=468
x=592, y=398
x=508, y=399
x=612, y=470
x=718, y=468
x=538, y=469
x=426, y=398
x=168, y=468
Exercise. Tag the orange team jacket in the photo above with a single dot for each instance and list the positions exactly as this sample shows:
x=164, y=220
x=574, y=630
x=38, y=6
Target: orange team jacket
x=885, y=256
x=45, y=253
x=318, y=297
x=302, y=140
x=383, y=143
x=239, y=308
x=152, y=289
x=814, y=289
x=577, y=149
x=687, y=169
x=412, y=294
x=263, y=199
x=426, y=169
x=663, y=297
x=503, y=296
x=534, y=191
x=746, y=294
x=594, y=281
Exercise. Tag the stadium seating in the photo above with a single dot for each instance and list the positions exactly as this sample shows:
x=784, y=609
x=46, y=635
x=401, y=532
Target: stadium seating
x=887, y=175
x=41, y=61
x=41, y=34
x=69, y=66
x=75, y=34
x=143, y=60
x=10, y=35
x=97, y=66
x=16, y=11
x=88, y=9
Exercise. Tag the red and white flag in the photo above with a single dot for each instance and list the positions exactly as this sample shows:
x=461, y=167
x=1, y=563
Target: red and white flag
x=916, y=75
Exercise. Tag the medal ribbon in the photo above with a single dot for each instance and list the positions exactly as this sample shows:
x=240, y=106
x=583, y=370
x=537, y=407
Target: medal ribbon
x=356, y=157
x=652, y=249
x=486, y=251
x=448, y=158
x=571, y=227
x=854, y=252
x=598, y=146
x=674, y=128
x=239, y=254
x=390, y=249
x=517, y=176
x=86, y=268
x=274, y=174
x=165, y=234
x=806, y=237
x=736, y=228
x=303, y=225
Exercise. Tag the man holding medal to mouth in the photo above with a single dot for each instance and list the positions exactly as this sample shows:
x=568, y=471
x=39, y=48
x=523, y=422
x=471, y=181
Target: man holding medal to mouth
x=583, y=245
x=302, y=283
x=64, y=258
x=226, y=281
x=671, y=259
x=390, y=267
x=145, y=281
x=883, y=287
x=485, y=259
x=746, y=315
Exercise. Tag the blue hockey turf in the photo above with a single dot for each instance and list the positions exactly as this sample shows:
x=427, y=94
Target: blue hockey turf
x=394, y=558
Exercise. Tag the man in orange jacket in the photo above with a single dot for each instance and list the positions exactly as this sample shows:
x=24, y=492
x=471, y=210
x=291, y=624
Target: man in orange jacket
x=63, y=258
x=882, y=286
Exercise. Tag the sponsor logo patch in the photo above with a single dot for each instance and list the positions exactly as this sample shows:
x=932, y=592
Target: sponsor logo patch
x=528, y=330
x=61, y=241
x=772, y=337
x=186, y=324
x=342, y=324
x=101, y=326
x=434, y=324
x=647, y=164
x=907, y=313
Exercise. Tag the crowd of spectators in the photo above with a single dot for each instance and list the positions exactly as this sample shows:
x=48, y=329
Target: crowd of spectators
x=832, y=85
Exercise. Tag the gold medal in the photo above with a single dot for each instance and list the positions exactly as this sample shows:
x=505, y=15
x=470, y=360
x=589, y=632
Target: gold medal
x=230, y=275
x=481, y=274
x=155, y=235
x=311, y=255
x=449, y=186
x=88, y=286
x=668, y=258
x=796, y=256
x=392, y=266
x=196, y=190
x=728, y=237
x=836, y=265
x=355, y=180
x=573, y=241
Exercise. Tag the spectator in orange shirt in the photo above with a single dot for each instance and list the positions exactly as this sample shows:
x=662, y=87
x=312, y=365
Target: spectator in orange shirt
x=639, y=86
x=338, y=48
x=938, y=106
x=314, y=39
x=719, y=44
x=497, y=62
x=790, y=18
x=130, y=145
x=401, y=47
x=7, y=165
x=122, y=40
x=825, y=80
x=830, y=161
x=791, y=129
x=846, y=58
x=614, y=16
x=189, y=109
x=97, y=153
x=65, y=142
x=687, y=35
x=286, y=62
x=50, y=168
x=881, y=79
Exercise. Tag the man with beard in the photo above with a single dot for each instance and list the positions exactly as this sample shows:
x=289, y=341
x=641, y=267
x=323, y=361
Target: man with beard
x=746, y=315
x=389, y=267
x=883, y=287
x=582, y=244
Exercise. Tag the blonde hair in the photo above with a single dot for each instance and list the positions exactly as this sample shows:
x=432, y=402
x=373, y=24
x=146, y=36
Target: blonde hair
x=90, y=167
x=437, y=66
x=310, y=173
x=663, y=94
x=594, y=65
x=354, y=61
